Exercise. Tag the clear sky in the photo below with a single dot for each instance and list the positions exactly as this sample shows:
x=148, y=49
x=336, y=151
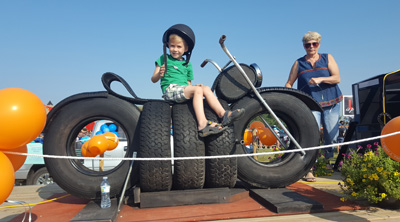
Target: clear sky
x=59, y=48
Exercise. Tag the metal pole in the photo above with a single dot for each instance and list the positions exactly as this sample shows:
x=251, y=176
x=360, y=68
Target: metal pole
x=126, y=183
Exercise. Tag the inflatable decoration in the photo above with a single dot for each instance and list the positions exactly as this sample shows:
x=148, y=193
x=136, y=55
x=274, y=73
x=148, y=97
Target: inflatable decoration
x=98, y=144
x=112, y=140
x=112, y=128
x=256, y=124
x=17, y=160
x=266, y=137
x=104, y=128
x=7, y=177
x=391, y=144
x=85, y=150
x=22, y=117
x=248, y=137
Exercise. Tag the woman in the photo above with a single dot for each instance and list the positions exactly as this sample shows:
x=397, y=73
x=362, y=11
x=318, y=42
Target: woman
x=318, y=75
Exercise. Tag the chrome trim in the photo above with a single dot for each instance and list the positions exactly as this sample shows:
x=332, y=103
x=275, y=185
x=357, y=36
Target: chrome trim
x=214, y=63
x=259, y=75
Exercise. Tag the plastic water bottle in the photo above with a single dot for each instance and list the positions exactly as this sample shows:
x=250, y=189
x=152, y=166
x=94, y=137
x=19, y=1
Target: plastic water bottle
x=105, y=193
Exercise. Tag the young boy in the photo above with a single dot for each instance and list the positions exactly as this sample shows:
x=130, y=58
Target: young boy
x=176, y=86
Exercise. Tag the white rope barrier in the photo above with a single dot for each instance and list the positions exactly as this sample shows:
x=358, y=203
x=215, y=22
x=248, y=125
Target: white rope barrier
x=202, y=157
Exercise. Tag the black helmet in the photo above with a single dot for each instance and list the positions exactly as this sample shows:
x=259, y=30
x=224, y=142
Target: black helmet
x=184, y=32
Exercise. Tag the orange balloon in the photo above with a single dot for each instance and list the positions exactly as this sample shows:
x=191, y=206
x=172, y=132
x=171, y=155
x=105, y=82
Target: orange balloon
x=248, y=137
x=391, y=144
x=112, y=140
x=7, y=177
x=17, y=160
x=98, y=144
x=85, y=151
x=256, y=124
x=22, y=117
x=266, y=137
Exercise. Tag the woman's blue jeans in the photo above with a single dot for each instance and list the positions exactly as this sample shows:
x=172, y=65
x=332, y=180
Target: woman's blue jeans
x=329, y=118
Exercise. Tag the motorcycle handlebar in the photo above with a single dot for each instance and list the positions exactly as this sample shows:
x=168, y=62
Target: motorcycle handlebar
x=204, y=63
x=222, y=39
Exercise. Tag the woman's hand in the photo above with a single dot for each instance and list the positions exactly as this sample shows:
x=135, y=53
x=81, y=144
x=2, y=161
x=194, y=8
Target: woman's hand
x=315, y=81
x=334, y=78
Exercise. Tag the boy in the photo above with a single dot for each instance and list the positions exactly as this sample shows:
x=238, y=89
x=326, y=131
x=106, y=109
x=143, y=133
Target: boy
x=176, y=83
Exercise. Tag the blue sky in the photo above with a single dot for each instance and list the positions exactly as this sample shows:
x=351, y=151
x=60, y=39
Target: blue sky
x=59, y=48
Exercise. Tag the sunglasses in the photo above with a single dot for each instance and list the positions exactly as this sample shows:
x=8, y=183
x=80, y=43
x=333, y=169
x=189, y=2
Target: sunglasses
x=314, y=44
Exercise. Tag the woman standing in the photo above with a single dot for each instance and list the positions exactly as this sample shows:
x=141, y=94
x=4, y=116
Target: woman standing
x=318, y=75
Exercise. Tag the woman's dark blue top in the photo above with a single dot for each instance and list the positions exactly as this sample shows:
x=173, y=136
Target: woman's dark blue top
x=325, y=94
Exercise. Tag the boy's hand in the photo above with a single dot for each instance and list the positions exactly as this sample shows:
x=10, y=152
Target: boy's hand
x=162, y=71
x=159, y=72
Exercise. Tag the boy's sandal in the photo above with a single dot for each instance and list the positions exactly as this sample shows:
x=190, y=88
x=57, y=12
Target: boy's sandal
x=235, y=115
x=211, y=130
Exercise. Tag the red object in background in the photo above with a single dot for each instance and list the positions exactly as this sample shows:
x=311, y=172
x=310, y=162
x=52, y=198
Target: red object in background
x=348, y=109
x=48, y=108
x=90, y=126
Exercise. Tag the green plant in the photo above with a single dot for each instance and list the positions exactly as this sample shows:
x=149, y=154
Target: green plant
x=371, y=175
x=320, y=168
x=270, y=158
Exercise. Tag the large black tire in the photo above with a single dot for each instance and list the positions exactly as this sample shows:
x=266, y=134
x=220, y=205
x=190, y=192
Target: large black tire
x=290, y=167
x=220, y=172
x=154, y=140
x=62, y=130
x=188, y=174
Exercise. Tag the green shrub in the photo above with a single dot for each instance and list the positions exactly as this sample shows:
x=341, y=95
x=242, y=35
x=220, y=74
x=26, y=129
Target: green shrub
x=373, y=175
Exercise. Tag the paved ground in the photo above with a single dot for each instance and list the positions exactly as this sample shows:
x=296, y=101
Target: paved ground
x=330, y=185
x=38, y=194
x=28, y=194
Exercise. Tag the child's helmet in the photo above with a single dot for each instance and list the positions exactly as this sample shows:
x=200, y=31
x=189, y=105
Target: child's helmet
x=184, y=32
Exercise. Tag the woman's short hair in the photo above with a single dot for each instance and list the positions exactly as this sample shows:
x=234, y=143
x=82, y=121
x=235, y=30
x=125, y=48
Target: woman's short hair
x=311, y=36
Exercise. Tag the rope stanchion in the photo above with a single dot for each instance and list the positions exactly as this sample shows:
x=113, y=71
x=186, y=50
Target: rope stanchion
x=24, y=204
x=203, y=157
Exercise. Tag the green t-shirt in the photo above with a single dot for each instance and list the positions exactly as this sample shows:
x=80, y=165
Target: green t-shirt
x=176, y=72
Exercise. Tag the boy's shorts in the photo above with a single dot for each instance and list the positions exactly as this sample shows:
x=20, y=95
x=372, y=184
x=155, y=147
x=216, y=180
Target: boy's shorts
x=175, y=93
